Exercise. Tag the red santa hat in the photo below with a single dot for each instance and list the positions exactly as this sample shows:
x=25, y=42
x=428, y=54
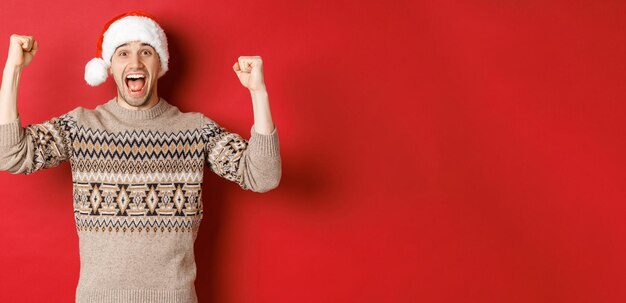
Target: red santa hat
x=131, y=26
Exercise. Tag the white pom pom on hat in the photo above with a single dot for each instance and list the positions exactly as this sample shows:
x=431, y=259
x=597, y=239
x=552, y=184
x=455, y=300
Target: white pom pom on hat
x=130, y=26
x=96, y=71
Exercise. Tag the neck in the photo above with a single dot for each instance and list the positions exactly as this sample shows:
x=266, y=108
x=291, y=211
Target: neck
x=135, y=114
x=149, y=103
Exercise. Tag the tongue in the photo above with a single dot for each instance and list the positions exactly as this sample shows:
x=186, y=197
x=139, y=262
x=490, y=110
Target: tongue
x=136, y=85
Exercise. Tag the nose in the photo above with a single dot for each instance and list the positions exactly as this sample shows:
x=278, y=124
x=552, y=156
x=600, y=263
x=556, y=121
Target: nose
x=135, y=61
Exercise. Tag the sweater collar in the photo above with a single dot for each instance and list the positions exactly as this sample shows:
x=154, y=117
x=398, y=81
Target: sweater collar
x=143, y=114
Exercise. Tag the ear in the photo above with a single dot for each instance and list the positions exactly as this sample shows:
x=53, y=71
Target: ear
x=159, y=59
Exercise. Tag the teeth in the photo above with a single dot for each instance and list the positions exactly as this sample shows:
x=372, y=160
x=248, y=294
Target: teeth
x=135, y=76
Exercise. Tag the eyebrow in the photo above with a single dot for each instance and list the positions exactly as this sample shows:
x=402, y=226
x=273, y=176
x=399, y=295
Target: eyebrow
x=126, y=44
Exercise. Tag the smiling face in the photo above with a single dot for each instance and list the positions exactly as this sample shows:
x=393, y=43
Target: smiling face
x=135, y=67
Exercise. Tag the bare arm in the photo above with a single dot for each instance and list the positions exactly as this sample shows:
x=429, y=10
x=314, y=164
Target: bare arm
x=254, y=164
x=263, y=123
x=22, y=49
x=249, y=69
x=27, y=149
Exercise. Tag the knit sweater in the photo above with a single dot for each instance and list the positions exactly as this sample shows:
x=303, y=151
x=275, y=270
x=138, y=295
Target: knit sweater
x=137, y=181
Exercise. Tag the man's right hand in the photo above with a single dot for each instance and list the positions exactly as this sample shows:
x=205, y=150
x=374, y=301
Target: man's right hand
x=22, y=49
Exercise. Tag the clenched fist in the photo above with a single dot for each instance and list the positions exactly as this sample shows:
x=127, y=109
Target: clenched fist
x=249, y=69
x=22, y=49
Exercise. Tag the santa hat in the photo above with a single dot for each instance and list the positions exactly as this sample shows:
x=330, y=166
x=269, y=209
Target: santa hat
x=131, y=26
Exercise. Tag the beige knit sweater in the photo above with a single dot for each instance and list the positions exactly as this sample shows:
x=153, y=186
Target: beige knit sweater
x=137, y=182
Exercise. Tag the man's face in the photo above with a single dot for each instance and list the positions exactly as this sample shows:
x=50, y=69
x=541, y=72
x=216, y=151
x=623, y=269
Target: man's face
x=135, y=67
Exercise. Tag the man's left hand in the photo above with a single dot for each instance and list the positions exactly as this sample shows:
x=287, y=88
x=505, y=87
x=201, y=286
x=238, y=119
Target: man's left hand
x=249, y=69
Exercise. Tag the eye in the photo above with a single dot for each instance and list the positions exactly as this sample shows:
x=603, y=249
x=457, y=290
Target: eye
x=146, y=52
x=122, y=53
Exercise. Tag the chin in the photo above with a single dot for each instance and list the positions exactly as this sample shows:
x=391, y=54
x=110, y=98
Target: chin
x=135, y=101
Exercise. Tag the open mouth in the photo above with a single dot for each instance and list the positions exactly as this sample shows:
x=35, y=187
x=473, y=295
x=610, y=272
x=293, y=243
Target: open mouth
x=135, y=83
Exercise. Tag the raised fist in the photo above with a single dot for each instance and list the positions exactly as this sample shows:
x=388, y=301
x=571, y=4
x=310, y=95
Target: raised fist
x=22, y=49
x=249, y=69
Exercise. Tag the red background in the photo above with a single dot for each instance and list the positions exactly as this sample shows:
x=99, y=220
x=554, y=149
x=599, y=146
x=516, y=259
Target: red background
x=433, y=151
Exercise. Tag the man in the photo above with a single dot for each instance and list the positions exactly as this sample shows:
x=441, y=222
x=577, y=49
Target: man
x=137, y=163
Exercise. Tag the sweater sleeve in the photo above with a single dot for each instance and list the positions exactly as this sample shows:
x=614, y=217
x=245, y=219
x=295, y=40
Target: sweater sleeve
x=25, y=150
x=254, y=164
